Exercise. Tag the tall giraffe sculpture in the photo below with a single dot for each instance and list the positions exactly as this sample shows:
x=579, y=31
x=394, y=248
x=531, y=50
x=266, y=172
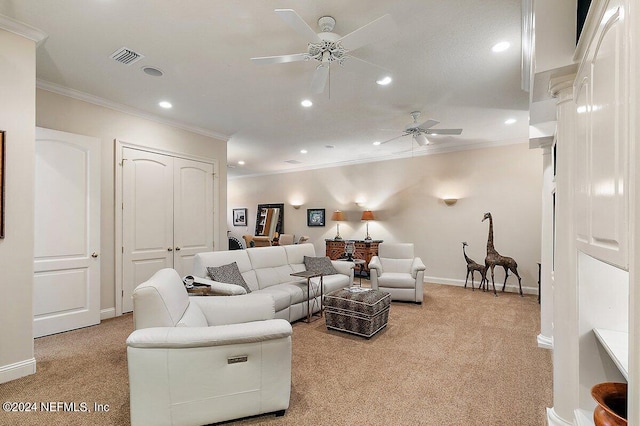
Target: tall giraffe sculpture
x=473, y=266
x=494, y=259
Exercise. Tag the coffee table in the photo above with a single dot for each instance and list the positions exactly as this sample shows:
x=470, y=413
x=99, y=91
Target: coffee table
x=312, y=293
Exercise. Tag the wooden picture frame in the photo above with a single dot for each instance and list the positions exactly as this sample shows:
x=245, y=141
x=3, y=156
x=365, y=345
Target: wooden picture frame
x=315, y=217
x=2, y=174
x=239, y=217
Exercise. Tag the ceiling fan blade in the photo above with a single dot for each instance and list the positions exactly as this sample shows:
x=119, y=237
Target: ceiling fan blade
x=443, y=131
x=320, y=77
x=427, y=124
x=370, y=33
x=265, y=60
x=298, y=24
x=353, y=63
x=393, y=139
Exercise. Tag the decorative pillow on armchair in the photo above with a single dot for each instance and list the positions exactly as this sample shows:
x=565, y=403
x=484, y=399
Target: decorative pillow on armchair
x=229, y=274
x=320, y=265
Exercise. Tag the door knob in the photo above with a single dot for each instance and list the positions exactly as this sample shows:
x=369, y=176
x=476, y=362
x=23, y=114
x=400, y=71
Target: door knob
x=94, y=254
x=170, y=249
x=177, y=248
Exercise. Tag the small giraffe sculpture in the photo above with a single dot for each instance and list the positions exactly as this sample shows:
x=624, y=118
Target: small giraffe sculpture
x=494, y=259
x=473, y=266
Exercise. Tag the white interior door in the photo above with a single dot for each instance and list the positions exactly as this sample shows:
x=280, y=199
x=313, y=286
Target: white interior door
x=147, y=218
x=193, y=212
x=66, y=286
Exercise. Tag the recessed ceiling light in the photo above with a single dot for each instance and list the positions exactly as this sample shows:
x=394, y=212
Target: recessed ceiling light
x=303, y=151
x=154, y=72
x=376, y=143
x=501, y=47
x=306, y=103
x=384, y=81
x=241, y=162
x=165, y=104
x=510, y=121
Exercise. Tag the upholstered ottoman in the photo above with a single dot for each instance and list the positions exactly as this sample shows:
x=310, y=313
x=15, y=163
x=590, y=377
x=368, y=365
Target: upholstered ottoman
x=357, y=310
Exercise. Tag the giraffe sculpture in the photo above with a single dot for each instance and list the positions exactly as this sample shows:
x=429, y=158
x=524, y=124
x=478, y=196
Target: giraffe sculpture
x=494, y=259
x=473, y=266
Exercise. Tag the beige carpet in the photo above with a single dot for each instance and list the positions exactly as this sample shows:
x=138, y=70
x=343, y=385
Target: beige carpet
x=462, y=358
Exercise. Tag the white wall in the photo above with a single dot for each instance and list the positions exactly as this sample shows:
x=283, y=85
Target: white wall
x=17, y=118
x=406, y=197
x=58, y=112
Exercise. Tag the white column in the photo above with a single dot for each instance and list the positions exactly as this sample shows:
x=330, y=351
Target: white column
x=545, y=338
x=565, y=299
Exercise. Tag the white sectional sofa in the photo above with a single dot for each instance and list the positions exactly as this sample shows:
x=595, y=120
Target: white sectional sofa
x=267, y=270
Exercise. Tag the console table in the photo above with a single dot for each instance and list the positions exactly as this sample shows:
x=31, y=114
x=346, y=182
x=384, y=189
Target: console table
x=365, y=250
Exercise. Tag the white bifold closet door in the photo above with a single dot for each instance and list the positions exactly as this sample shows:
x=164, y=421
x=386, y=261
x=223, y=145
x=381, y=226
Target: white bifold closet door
x=66, y=282
x=167, y=215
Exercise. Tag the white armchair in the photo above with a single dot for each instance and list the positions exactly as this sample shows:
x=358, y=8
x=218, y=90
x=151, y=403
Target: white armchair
x=199, y=360
x=396, y=271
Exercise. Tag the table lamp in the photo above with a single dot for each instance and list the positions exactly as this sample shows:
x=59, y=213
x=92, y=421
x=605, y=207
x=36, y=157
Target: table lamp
x=367, y=215
x=338, y=216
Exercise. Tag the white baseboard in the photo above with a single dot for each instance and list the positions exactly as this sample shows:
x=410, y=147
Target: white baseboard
x=554, y=419
x=512, y=288
x=107, y=313
x=17, y=370
x=545, y=342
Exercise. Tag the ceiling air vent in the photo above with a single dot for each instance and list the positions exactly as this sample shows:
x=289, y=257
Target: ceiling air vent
x=293, y=161
x=126, y=56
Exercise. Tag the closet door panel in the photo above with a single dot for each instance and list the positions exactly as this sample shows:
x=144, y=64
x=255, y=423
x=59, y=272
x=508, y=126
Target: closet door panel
x=147, y=225
x=193, y=212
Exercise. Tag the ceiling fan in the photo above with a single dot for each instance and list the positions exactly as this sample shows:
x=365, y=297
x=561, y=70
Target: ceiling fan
x=419, y=130
x=327, y=47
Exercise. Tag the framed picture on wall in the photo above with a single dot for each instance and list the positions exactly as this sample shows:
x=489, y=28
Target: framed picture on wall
x=239, y=217
x=315, y=217
x=2, y=163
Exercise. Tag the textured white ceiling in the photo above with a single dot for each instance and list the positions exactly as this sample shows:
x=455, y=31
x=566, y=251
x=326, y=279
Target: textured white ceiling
x=440, y=58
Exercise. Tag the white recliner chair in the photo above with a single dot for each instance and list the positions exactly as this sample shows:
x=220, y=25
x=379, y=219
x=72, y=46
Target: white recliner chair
x=199, y=360
x=397, y=271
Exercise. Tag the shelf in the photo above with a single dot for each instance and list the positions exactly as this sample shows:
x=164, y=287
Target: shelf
x=616, y=343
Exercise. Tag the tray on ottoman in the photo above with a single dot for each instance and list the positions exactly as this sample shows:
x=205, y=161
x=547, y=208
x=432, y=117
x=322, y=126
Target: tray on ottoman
x=357, y=310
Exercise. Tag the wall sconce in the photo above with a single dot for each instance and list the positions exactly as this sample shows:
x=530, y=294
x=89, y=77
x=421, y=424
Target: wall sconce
x=338, y=216
x=367, y=215
x=296, y=206
x=450, y=201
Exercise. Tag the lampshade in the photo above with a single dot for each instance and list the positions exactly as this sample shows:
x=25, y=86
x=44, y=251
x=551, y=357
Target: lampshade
x=338, y=216
x=367, y=215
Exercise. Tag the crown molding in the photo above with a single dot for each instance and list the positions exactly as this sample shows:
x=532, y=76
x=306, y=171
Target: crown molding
x=82, y=96
x=24, y=30
x=431, y=150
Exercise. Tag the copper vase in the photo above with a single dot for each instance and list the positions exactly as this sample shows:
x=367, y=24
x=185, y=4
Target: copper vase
x=612, y=404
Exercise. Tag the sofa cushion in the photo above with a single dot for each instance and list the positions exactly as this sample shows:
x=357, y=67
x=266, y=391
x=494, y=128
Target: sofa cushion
x=396, y=280
x=281, y=298
x=320, y=265
x=229, y=274
x=332, y=282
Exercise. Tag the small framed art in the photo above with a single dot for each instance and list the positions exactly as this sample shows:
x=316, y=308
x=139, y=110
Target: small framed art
x=315, y=217
x=239, y=217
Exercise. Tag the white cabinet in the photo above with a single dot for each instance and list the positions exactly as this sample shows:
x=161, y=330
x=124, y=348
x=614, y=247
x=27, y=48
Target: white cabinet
x=602, y=130
x=596, y=318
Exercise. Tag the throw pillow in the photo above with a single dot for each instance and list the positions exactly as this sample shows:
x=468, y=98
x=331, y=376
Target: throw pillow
x=319, y=264
x=229, y=274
